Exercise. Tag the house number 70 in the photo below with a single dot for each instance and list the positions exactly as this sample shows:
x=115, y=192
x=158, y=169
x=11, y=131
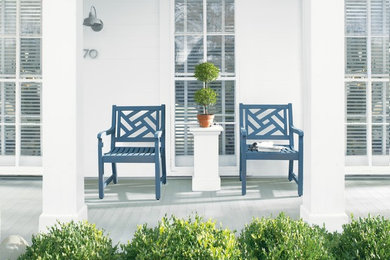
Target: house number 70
x=92, y=53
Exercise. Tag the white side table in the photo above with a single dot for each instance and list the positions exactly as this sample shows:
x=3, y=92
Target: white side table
x=206, y=158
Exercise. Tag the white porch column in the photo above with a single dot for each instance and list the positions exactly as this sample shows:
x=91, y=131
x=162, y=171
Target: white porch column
x=323, y=76
x=63, y=184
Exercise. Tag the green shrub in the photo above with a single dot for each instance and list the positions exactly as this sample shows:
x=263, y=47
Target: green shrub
x=364, y=238
x=73, y=240
x=176, y=238
x=205, y=97
x=283, y=238
x=206, y=72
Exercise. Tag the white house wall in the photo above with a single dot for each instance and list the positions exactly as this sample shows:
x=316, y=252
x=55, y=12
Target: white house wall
x=127, y=69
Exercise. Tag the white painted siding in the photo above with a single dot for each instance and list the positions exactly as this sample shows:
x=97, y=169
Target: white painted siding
x=127, y=70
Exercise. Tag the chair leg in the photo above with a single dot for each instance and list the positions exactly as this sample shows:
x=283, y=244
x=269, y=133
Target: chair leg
x=164, y=167
x=101, y=179
x=240, y=167
x=114, y=174
x=243, y=177
x=157, y=178
x=290, y=169
x=300, y=177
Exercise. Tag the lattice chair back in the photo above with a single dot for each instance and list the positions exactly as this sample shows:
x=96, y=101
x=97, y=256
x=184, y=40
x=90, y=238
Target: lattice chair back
x=267, y=122
x=137, y=123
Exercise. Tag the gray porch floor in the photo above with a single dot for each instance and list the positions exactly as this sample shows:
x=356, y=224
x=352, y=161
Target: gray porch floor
x=131, y=202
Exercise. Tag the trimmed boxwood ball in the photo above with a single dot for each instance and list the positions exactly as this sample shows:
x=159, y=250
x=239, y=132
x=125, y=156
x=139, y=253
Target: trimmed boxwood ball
x=175, y=238
x=206, y=72
x=205, y=97
x=364, y=238
x=284, y=238
x=73, y=240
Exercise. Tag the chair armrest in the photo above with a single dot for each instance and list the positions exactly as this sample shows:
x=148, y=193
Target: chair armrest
x=243, y=132
x=107, y=132
x=158, y=134
x=296, y=130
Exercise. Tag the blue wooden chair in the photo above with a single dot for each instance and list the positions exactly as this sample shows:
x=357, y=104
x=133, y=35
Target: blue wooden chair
x=270, y=122
x=134, y=124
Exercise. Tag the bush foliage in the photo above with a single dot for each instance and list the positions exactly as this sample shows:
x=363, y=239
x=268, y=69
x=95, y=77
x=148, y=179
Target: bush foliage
x=195, y=238
x=283, y=238
x=364, y=238
x=175, y=238
x=73, y=240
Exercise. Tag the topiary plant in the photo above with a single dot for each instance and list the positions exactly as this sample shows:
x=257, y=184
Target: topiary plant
x=284, y=238
x=73, y=240
x=176, y=238
x=364, y=238
x=205, y=97
x=206, y=72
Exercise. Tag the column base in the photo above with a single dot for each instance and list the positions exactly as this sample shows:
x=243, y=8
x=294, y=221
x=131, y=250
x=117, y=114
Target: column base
x=48, y=220
x=333, y=222
x=199, y=184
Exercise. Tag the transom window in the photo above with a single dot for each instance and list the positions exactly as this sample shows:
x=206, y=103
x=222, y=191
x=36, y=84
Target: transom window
x=204, y=31
x=367, y=24
x=20, y=82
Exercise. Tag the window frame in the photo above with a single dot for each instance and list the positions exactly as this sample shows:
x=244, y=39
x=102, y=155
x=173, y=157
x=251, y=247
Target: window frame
x=187, y=170
x=21, y=164
x=369, y=160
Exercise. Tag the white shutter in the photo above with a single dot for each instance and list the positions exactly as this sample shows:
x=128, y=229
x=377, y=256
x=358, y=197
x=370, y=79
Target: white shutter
x=31, y=102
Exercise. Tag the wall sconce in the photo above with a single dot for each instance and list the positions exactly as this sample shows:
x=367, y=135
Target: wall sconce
x=92, y=21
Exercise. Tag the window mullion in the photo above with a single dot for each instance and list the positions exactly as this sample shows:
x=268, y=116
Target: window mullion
x=2, y=121
x=17, y=88
x=384, y=119
x=204, y=30
x=223, y=103
x=369, y=86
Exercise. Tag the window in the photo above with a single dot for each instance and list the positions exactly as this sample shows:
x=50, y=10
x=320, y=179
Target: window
x=204, y=31
x=20, y=82
x=367, y=24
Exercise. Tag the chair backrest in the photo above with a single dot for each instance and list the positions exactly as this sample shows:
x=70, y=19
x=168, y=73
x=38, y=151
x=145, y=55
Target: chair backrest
x=137, y=123
x=267, y=122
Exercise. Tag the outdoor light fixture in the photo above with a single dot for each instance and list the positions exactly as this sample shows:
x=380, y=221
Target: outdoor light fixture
x=92, y=21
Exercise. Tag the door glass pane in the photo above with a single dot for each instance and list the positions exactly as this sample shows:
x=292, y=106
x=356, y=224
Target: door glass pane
x=356, y=56
x=8, y=17
x=30, y=140
x=30, y=56
x=356, y=95
x=214, y=15
x=195, y=16
x=380, y=55
x=214, y=50
x=30, y=102
x=30, y=17
x=355, y=17
x=7, y=57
